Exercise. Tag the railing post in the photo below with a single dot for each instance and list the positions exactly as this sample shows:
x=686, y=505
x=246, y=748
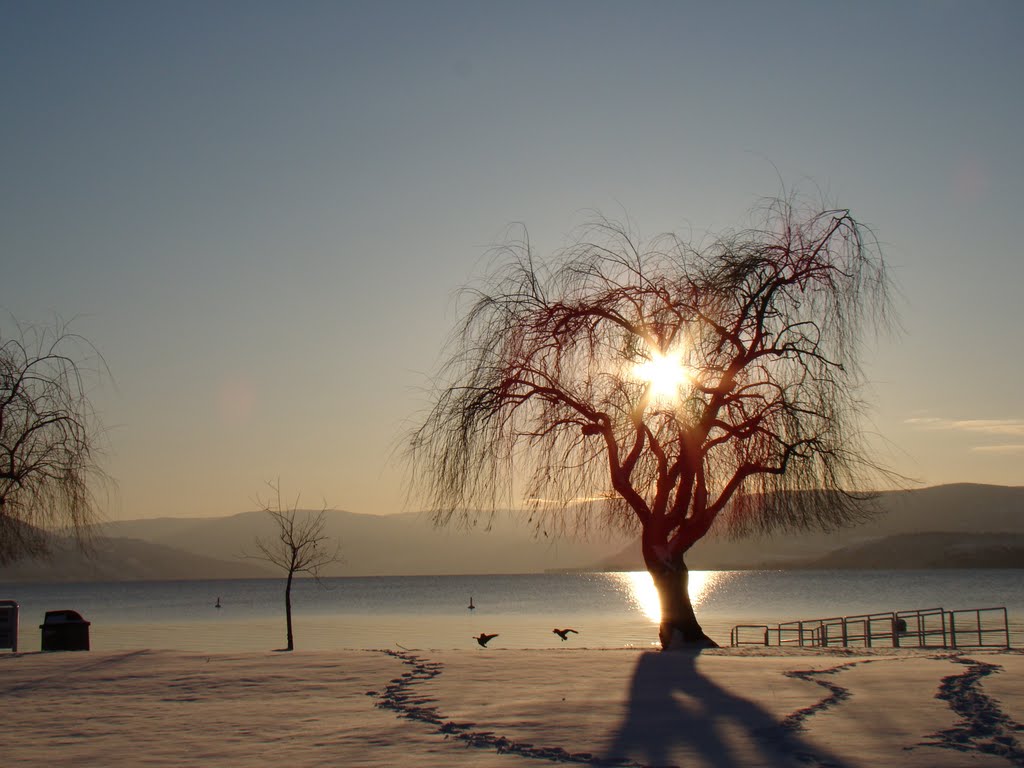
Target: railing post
x=952, y=629
x=846, y=642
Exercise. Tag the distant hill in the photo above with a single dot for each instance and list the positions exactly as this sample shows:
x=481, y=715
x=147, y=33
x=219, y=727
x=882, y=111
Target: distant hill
x=957, y=510
x=926, y=550
x=375, y=545
x=117, y=559
x=945, y=526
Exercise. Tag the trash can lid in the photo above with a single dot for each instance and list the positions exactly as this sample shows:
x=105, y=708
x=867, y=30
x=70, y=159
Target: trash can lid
x=61, y=617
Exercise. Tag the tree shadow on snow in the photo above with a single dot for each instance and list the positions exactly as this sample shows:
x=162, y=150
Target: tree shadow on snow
x=672, y=706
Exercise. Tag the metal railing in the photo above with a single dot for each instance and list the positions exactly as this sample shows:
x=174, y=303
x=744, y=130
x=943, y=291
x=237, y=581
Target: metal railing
x=986, y=623
x=736, y=635
x=917, y=628
x=921, y=628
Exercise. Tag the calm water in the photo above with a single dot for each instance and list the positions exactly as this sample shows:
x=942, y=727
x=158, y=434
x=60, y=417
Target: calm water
x=609, y=609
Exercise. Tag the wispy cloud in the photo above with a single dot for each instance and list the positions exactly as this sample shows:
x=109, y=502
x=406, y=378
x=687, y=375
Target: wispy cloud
x=1001, y=427
x=1014, y=448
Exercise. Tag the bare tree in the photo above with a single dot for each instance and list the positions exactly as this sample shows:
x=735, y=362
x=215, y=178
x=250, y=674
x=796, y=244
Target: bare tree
x=48, y=439
x=664, y=387
x=299, y=546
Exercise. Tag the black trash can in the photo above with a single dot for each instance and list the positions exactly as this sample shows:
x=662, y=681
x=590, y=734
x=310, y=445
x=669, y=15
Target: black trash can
x=64, y=631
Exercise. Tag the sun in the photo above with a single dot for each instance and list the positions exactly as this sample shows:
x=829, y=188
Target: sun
x=665, y=373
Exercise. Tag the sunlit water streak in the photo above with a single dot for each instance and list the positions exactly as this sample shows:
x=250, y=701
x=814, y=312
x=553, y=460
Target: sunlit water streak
x=609, y=609
x=643, y=596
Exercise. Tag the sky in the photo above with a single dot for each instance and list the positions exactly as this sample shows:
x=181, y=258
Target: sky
x=261, y=213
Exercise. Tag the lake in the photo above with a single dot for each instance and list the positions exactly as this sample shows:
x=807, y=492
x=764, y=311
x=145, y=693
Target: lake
x=609, y=610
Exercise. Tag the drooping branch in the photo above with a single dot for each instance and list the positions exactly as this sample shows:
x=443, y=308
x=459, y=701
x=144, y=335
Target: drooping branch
x=49, y=439
x=538, y=388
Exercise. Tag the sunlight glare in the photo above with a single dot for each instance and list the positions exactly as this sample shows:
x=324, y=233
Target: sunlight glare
x=665, y=374
x=644, y=595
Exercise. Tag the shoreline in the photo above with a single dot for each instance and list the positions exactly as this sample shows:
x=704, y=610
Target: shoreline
x=608, y=610
x=844, y=708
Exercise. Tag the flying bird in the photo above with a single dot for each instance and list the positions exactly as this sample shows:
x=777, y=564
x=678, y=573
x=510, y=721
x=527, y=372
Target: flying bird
x=484, y=639
x=563, y=633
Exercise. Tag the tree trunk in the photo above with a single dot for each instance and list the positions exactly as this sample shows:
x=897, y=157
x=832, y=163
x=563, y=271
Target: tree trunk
x=679, y=626
x=288, y=611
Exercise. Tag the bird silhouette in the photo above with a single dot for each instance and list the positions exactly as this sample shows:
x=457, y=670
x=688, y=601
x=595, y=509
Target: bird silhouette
x=471, y=606
x=563, y=633
x=484, y=639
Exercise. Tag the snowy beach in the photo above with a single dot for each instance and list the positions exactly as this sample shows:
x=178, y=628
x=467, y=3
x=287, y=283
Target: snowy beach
x=492, y=707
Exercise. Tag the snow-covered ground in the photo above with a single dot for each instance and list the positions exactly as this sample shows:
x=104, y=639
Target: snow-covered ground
x=492, y=707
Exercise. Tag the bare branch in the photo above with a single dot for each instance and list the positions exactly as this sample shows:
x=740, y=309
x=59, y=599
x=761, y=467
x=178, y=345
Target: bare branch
x=49, y=439
x=300, y=544
x=539, y=395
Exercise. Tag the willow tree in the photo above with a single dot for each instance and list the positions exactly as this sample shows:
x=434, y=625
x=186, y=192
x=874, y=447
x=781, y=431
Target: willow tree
x=681, y=385
x=49, y=439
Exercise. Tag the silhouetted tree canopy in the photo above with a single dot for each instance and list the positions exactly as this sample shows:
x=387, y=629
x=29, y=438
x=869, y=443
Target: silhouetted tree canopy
x=48, y=438
x=544, y=392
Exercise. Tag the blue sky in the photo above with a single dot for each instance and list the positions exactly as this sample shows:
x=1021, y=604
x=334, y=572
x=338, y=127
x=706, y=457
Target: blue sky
x=260, y=212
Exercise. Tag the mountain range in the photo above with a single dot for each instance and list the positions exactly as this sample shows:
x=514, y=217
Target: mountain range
x=370, y=545
x=958, y=525
x=961, y=525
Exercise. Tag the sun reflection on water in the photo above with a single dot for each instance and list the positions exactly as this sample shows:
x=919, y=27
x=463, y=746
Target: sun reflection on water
x=644, y=596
